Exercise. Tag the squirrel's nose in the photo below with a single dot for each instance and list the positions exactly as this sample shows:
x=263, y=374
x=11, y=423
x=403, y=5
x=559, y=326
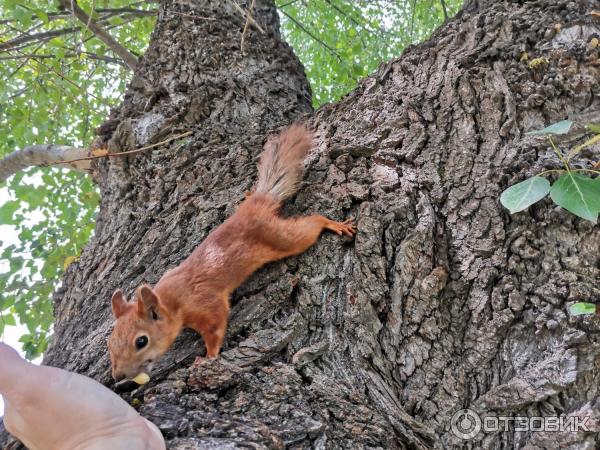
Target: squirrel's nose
x=118, y=376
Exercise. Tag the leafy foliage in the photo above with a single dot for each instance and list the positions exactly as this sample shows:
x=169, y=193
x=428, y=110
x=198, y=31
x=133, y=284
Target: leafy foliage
x=60, y=83
x=41, y=213
x=575, y=190
x=342, y=41
x=57, y=87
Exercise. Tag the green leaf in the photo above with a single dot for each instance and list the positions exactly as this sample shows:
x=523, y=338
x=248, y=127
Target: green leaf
x=593, y=127
x=581, y=308
x=7, y=212
x=524, y=194
x=22, y=15
x=561, y=127
x=578, y=194
x=8, y=319
x=40, y=14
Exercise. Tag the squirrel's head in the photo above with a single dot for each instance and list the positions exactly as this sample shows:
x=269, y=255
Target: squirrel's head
x=142, y=333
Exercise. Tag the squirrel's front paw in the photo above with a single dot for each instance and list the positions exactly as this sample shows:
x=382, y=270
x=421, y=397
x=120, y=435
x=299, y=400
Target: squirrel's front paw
x=203, y=360
x=347, y=227
x=199, y=361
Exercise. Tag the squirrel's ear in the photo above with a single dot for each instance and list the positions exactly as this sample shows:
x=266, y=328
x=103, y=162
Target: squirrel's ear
x=147, y=302
x=118, y=303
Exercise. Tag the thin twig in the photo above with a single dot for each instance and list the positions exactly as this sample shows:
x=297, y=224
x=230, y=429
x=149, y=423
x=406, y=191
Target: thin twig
x=247, y=24
x=130, y=152
x=23, y=64
x=243, y=13
x=545, y=172
x=87, y=25
x=352, y=19
x=117, y=11
x=412, y=19
x=299, y=25
x=71, y=82
x=291, y=2
x=559, y=154
x=445, y=10
x=108, y=59
x=18, y=93
x=575, y=150
x=597, y=172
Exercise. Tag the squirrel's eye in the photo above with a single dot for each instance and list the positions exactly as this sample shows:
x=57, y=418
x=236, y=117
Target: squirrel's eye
x=141, y=342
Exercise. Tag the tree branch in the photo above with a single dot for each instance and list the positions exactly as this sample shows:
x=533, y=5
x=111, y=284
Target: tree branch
x=108, y=59
x=64, y=156
x=106, y=14
x=445, y=10
x=127, y=153
x=129, y=58
x=44, y=155
x=25, y=38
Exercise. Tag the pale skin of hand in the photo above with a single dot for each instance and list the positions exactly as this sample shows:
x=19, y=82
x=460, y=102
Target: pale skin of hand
x=51, y=409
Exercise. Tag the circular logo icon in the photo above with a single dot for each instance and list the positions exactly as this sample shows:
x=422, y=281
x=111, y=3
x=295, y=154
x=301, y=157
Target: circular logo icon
x=465, y=424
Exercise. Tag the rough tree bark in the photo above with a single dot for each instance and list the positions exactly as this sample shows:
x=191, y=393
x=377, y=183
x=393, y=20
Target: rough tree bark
x=443, y=301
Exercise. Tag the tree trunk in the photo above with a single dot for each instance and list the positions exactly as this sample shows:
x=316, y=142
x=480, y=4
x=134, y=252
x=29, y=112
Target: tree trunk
x=443, y=301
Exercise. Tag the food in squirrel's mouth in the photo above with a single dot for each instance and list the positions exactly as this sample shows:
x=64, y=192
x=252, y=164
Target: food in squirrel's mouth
x=142, y=378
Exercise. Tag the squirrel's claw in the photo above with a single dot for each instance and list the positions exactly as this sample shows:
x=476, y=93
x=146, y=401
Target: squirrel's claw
x=347, y=227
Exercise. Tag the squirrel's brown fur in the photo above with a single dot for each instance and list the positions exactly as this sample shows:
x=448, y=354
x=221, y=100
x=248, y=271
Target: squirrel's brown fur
x=196, y=293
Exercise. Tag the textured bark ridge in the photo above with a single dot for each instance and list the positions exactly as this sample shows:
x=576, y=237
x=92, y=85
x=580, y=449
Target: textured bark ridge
x=442, y=302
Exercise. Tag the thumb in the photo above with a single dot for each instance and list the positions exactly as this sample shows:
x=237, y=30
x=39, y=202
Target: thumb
x=12, y=366
x=6, y=350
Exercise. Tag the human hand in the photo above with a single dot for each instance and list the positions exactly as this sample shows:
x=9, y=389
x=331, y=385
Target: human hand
x=51, y=409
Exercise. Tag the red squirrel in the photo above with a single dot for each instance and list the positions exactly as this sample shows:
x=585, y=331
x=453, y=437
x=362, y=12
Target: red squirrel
x=196, y=293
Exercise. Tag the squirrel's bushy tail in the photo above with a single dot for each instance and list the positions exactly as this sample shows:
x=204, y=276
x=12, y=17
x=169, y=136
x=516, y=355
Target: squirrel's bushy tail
x=280, y=165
